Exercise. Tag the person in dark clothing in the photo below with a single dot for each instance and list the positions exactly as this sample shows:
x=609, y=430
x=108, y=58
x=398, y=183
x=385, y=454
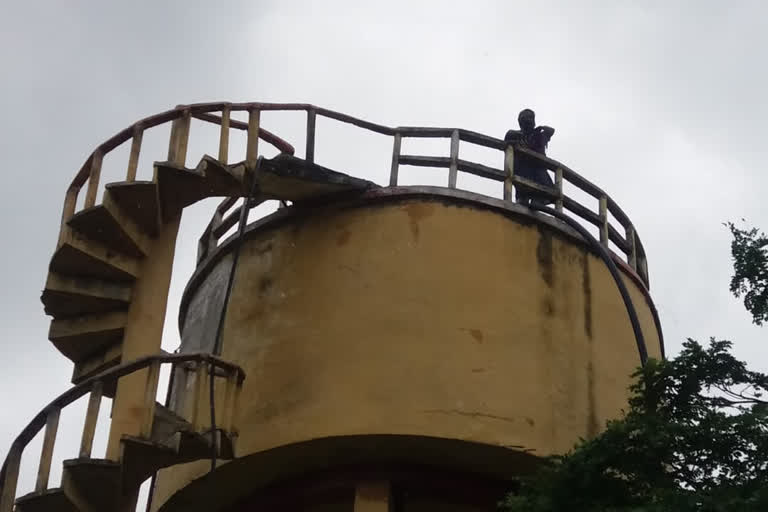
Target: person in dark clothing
x=535, y=138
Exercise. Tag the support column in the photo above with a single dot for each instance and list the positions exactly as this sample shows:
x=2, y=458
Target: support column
x=143, y=334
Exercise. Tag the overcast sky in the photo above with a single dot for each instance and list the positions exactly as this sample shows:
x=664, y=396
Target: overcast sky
x=662, y=104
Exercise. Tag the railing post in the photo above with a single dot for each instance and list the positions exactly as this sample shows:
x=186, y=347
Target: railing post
x=309, y=153
x=226, y=113
x=93, y=178
x=133, y=160
x=453, y=170
x=395, y=160
x=12, y=465
x=46, y=456
x=252, y=148
x=632, y=241
x=235, y=405
x=91, y=417
x=230, y=395
x=509, y=170
x=177, y=145
x=604, y=220
x=150, y=396
x=181, y=152
x=559, y=187
x=70, y=203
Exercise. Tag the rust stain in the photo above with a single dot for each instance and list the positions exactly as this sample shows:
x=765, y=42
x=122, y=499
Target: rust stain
x=416, y=213
x=477, y=334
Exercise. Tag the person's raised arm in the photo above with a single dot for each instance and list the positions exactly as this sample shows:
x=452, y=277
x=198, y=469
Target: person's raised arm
x=547, y=131
x=544, y=134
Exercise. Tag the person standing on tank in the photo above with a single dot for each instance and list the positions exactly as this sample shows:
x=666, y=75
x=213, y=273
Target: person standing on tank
x=535, y=138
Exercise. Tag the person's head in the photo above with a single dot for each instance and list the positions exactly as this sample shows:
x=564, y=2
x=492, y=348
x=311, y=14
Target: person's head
x=527, y=120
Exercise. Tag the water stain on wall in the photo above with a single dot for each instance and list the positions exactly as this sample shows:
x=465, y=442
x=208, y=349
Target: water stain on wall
x=544, y=257
x=586, y=285
x=416, y=213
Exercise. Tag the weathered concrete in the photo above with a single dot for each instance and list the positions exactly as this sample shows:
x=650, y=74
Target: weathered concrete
x=420, y=317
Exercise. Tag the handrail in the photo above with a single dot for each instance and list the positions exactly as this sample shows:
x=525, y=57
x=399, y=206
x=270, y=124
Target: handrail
x=95, y=385
x=628, y=241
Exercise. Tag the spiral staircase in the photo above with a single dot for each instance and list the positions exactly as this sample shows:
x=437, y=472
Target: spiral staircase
x=106, y=292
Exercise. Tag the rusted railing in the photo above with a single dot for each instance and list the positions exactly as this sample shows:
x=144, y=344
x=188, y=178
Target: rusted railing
x=49, y=416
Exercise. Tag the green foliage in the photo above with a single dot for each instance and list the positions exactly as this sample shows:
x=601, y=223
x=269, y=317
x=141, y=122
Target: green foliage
x=750, y=270
x=695, y=438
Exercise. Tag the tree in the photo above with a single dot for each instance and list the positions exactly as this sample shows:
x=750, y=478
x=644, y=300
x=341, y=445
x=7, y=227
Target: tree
x=694, y=438
x=750, y=270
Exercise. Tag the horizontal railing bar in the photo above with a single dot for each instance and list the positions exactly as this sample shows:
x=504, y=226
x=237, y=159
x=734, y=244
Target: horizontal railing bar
x=618, y=213
x=482, y=140
x=227, y=222
x=74, y=393
x=581, y=211
x=264, y=135
x=481, y=170
x=425, y=161
x=532, y=186
x=226, y=204
x=426, y=132
x=569, y=175
x=618, y=239
x=344, y=118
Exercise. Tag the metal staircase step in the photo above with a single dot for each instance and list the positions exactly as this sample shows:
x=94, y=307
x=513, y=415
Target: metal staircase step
x=80, y=257
x=66, y=296
x=97, y=482
x=139, y=200
x=79, y=337
x=51, y=500
x=108, y=224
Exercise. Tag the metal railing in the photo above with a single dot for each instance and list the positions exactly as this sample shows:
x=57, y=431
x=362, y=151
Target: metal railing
x=49, y=416
x=623, y=235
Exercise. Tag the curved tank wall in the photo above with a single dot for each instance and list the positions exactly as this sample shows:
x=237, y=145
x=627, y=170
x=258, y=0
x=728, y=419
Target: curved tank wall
x=437, y=315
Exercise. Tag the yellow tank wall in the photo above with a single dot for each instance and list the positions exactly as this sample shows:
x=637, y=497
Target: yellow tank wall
x=425, y=318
